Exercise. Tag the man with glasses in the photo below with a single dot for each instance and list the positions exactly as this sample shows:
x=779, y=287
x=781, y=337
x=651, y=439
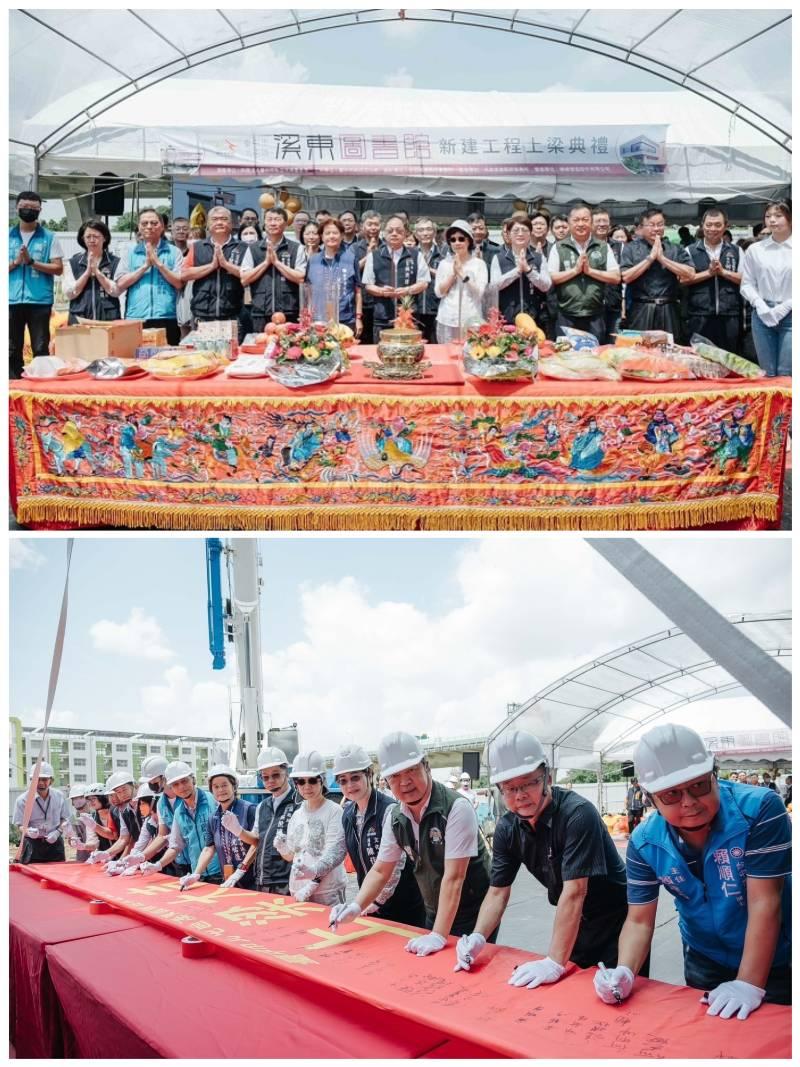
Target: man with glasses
x=272, y=818
x=561, y=839
x=653, y=270
x=438, y=831
x=724, y=853
x=190, y=823
x=581, y=266
x=393, y=272
x=152, y=277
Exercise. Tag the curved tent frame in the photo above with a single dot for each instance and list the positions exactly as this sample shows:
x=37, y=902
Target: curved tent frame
x=615, y=696
x=590, y=30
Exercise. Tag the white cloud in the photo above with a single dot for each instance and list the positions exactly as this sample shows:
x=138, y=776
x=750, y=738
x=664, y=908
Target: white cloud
x=141, y=637
x=400, y=79
x=261, y=63
x=23, y=556
x=180, y=706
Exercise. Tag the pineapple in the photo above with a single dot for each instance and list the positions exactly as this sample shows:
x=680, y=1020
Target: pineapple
x=405, y=316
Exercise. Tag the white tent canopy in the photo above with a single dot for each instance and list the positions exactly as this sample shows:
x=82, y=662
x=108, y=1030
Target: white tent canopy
x=599, y=710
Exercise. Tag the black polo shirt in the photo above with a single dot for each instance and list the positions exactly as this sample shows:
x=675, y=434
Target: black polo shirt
x=657, y=283
x=570, y=841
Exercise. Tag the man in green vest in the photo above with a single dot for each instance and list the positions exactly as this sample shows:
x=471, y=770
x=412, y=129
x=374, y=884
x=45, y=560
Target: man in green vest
x=438, y=830
x=581, y=266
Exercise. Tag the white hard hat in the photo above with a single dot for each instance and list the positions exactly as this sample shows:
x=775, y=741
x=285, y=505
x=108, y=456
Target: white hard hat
x=77, y=791
x=220, y=770
x=514, y=753
x=120, y=778
x=669, y=755
x=271, y=757
x=46, y=770
x=452, y=779
x=398, y=751
x=153, y=767
x=465, y=777
x=96, y=789
x=144, y=792
x=351, y=758
x=308, y=763
x=176, y=770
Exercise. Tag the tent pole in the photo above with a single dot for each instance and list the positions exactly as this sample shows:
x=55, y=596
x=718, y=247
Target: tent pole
x=600, y=785
x=36, y=169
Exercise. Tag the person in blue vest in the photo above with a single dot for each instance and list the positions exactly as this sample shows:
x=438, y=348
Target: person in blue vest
x=714, y=300
x=223, y=833
x=151, y=277
x=393, y=272
x=152, y=770
x=581, y=267
x=34, y=259
x=366, y=816
x=90, y=277
x=190, y=822
x=724, y=852
x=274, y=268
x=333, y=273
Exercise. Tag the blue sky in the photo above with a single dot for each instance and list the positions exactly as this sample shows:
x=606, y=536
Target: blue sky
x=360, y=634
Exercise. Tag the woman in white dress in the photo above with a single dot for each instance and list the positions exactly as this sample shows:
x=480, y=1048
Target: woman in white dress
x=461, y=280
x=314, y=842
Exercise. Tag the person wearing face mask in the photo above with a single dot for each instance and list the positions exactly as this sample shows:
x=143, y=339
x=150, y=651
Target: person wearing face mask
x=249, y=234
x=224, y=830
x=34, y=259
x=561, y=839
x=393, y=272
x=82, y=835
x=274, y=268
x=191, y=818
x=333, y=275
x=520, y=274
x=366, y=816
x=121, y=787
x=724, y=852
x=49, y=821
x=270, y=871
x=653, y=270
x=90, y=277
x=581, y=267
x=714, y=300
x=461, y=281
x=153, y=771
x=214, y=267
x=151, y=277
x=428, y=301
x=145, y=803
x=767, y=287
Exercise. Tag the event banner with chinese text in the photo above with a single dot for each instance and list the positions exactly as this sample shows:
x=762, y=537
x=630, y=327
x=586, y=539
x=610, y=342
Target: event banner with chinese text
x=586, y=151
x=367, y=959
x=200, y=455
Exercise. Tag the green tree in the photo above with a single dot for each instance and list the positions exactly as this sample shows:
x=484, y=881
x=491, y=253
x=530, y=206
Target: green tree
x=612, y=772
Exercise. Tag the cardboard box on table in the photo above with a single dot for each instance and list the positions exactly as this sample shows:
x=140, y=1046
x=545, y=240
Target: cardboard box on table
x=96, y=340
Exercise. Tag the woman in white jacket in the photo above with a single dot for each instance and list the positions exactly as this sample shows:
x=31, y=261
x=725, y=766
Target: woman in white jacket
x=461, y=280
x=314, y=842
x=767, y=287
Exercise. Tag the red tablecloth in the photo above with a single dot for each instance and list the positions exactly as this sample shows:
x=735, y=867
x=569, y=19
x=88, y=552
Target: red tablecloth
x=39, y=918
x=352, y=454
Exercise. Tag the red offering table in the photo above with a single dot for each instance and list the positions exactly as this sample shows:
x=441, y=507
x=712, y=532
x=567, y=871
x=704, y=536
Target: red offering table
x=445, y=452
x=364, y=968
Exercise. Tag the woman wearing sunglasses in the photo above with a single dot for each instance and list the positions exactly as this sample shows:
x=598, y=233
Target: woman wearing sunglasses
x=461, y=281
x=724, y=852
x=314, y=843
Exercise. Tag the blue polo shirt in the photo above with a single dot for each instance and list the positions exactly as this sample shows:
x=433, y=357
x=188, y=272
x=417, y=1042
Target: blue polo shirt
x=165, y=810
x=750, y=838
x=229, y=848
x=342, y=268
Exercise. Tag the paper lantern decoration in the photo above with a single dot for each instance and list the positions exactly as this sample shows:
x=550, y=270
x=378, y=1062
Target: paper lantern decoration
x=520, y=205
x=266, y=200
x=293, y=203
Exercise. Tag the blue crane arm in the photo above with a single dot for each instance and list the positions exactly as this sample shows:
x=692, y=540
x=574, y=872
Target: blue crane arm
x=216, y=624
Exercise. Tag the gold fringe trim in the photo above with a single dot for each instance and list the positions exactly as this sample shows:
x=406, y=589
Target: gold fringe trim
x=678, y=515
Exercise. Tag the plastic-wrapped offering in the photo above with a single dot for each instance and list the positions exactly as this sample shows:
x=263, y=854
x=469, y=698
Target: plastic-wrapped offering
x=740, y=366
x=700, y=368
x=578, y=367
x=579, y=339
x=647, y=366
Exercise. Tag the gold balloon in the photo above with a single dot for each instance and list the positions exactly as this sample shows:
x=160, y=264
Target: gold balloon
x=290, y=215
x=294, y=203
x=284, y=195
x=266, y=200
x=520, y=205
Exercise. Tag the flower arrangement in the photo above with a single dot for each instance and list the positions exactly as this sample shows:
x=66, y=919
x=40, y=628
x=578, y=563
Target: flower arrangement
x=498, y=350
x=304, y=353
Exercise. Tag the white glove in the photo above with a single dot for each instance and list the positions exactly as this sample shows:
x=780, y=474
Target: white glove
x=281, y=844
x=130, y=871
x=114, y=868
x=88, y=819
x=304, y=891
x=231, y=823
x=770, y=316
x=467, y=948
x=427, y=944
x=33, y=833
x=151, y=868
x=134, y=858
x=237, y=876
x=189, y=879
x=619, y=978
x=304, y=867
x=343, y=913
x=95, y=857
x=734, y=998
x=52, y=837
x=106, y=857
x=371, y=909
x=536, y=973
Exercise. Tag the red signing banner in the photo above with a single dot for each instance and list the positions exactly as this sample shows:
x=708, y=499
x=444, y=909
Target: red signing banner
x=367, y=959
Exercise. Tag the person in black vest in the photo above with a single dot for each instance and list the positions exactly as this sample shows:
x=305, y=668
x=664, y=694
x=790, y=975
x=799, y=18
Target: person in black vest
x=714, y=300
x=520, y=274
x=393, y=272
x=365, y=817
x=484, y=248
x=581, y=266
x=274, y=269
x=271, y=870
x=634, y=804
x=121, y=788
x=369, y=240
x=560, y=838
x=438, y=831
x=350, y=226
x=214, y=267
x=653, y=269
x=428, y=301
x=90, y=277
